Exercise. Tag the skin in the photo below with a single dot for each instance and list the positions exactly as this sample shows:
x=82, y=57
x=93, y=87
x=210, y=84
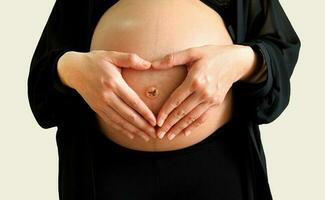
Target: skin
x=211, y=72
x=106, y=79
x=96, y=75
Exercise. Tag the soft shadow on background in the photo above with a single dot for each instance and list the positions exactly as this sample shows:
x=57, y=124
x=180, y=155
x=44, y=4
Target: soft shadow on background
x=293, y=143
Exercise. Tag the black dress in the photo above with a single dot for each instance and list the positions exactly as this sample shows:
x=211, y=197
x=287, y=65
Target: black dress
x=262, y=24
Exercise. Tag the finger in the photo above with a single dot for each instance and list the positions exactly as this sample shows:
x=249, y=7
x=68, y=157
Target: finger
x=128, y=60
x=177, y=114
x=177, y=58
x=176, y=98
x=124, y=124
x=131, y=98
x=114, y=126
x=130, y=115
x=188, y=120
x=196, y=124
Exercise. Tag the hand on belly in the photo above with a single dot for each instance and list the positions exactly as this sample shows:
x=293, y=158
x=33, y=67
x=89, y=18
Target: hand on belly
x=154, y=87
x=153, y=29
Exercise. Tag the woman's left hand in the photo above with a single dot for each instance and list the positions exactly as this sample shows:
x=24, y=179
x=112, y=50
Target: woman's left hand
x=212, y=69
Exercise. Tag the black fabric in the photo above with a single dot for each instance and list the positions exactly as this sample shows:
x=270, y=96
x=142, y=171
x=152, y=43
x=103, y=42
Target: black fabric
x=211, y=169
x=261, y=24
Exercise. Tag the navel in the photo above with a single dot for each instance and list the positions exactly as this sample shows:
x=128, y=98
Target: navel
x=152, y=92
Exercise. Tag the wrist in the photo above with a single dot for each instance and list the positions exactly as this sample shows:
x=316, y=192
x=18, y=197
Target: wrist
x=66, y=68
x=251, y=63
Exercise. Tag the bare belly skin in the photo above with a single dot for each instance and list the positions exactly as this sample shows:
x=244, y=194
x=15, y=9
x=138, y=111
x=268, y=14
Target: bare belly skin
x=153, y=29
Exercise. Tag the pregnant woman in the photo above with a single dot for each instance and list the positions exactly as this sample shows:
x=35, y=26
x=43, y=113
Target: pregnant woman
x=162, y=99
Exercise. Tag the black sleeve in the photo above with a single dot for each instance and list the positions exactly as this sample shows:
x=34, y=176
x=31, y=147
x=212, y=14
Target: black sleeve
x=67, y=29
x=263, y=25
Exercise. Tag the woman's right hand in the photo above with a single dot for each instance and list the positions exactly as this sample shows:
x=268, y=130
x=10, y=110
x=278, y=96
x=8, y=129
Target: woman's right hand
x=96, y=76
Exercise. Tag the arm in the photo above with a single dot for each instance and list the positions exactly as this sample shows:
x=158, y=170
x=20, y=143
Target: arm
x=50, y=100
x=270, y=33
x=256, y=70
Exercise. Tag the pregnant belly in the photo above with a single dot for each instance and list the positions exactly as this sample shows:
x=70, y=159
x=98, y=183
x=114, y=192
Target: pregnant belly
x=153, y=29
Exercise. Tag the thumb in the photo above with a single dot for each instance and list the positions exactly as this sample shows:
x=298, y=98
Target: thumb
x=183, y=57
x=128, y=60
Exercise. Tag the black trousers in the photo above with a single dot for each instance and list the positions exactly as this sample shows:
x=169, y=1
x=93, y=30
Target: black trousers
x=208, y=170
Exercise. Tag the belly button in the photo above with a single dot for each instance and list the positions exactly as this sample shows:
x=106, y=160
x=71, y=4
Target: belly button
x=152, y=92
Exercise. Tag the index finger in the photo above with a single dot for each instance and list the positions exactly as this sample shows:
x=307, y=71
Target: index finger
x=175, y=99
x=133, y=100
x=128, y=60
x=177, y=58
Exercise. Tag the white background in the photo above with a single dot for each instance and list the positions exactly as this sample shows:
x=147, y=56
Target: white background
x=293, y=143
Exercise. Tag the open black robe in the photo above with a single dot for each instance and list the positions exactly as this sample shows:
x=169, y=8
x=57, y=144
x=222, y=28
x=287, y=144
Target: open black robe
x=262, y=24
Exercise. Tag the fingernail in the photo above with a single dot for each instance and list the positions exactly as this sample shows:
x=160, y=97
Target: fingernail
x=130, y=136
x=153, y=122
x=148, y=64
x=187, y=132
x=160, y=122
x=171, y=136
x=161, y=134
x=146, y=138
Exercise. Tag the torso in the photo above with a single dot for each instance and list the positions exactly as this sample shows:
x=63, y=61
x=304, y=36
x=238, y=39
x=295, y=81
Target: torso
x=153, y=29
